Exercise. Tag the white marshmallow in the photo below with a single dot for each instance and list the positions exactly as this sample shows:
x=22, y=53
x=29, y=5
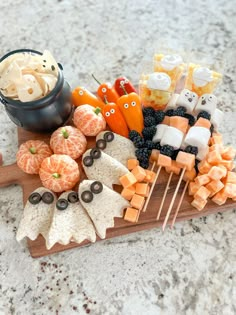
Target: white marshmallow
x=207, y=102
x=172, y=102
x=159, y=132
x=202, y=152
x=202, y=76
x=172, y=136
x=187, y=99
x=217, y=118
x=198, y=137
x=159, y=81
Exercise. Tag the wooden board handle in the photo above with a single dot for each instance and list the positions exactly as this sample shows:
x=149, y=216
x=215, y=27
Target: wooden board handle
x=10, y=174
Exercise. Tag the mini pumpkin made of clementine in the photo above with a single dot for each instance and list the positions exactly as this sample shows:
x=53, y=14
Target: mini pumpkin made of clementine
x=89, y=120
x=59, y=172
x=31, y=154
x=68, y=140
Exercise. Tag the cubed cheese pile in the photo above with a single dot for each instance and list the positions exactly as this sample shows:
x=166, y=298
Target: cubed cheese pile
x=216, y=179
x=135, y=188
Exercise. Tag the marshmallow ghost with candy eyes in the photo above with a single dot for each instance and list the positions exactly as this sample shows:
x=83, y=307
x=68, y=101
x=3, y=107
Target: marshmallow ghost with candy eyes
x=207, y=103
x=187, y=99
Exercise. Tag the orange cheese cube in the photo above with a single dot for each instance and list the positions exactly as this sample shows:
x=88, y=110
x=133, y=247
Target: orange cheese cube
x=214, y=157
x=216, y=138
x=203, y=122
x=202, y=193
x=164, y=160
x=224, y=170
x=228, y=164
x=180, y=123
x=154, y=155
x=185, y=159
x=214, y=186
x=220, y=198
x=166, y=120
x=231, y=177
x=216, y=147
x=137, y=202
x=190, y=175
x=216, y=173
x=204, y=167
x=150, y=176
x=142, y=189
x=192, y=188
x=131, y=214
x=230, y=190
x=128, y=192
x=228, y=153
x=173, y=168
x=127, y=180
x=199, y=204
x=132, y=163
x=139, y=173
x=202, y=180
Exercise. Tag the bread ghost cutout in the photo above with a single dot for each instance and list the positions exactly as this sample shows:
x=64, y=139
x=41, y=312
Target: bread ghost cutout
x=102, y=167
x=37, y=215
x=102, y=204
x=70, y=222
x=118, y=147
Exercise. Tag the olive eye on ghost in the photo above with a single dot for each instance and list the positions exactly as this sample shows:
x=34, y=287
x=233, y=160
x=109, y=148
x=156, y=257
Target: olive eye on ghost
x=104, y=90
x=126, y=105
x=133, y=103
x=112, y=111
x=107, y=114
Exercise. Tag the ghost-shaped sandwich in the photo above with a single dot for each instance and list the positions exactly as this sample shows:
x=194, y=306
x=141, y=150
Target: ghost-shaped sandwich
x=102, y=204
x=206, y=103
x=118, y=147
x=188, y=100
x=70, y=222
x=37, y=215
x=102, y=167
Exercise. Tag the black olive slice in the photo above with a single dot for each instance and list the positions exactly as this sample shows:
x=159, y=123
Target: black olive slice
x=62, y=204
x=88, y=161
x=96, y=187
x=73, y=197
x=87, y=196
x=101, y=144
x=95, y=153
x=108, y=136
x=47, y=197
x=35, y=198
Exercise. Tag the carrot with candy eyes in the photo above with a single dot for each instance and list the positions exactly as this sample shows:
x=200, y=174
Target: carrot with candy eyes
x=114, y=118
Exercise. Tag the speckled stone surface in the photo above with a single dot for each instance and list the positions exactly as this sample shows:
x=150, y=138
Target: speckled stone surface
x=189, y=270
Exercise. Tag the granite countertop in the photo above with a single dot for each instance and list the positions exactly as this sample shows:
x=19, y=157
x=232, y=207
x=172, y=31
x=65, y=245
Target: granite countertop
x=188, y=270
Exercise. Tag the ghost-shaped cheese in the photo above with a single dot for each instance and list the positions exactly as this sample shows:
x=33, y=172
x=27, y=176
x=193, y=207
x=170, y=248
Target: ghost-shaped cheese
x=69, y=224
x=207, y=102
x=37, y=215
x=118, y=147
x=102, y=205
x=187, y=99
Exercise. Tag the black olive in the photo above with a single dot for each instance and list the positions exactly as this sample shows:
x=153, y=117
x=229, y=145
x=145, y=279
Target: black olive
x=35, y=198
x=108, y=136
x=87, y=196
x=96, y=187
x=101, y=144
x=47, y=197
x=88, y=161
x=73, y=197
x=95, y=153
x=62, y=204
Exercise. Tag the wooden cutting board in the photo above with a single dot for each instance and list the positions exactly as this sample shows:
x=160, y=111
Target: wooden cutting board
x=11, y=174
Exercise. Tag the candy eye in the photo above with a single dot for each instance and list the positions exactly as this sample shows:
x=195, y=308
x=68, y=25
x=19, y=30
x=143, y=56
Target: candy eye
x=133, y=103
x=81, y=92
x=107, y=114
x=193, y=95
x=112, y=111
x=122, y=82
x=126, y=105
x=104, y=90
x=126, y=81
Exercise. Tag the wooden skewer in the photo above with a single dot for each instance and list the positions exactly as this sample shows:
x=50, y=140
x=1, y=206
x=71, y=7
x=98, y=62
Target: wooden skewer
x=164, y=196
x=173, y=199
x=179, y=204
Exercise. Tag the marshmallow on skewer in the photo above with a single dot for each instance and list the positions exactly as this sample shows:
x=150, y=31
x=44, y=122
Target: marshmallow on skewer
x=217, y=118
x=160, y=130
x=207, y=103
x=198, y=137
x=173, y=137
x=187, y=99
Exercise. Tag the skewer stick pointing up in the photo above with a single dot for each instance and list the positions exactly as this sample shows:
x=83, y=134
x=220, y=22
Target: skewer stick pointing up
x=179, y=204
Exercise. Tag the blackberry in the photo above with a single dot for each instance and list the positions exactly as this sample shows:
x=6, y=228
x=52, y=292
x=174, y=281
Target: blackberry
x=212, y=129
x=139, y=142
x=167, y=150
x=196, y=165
x=159, y=116
x=191, y=119
x=169, y=112
x=143, y=154
x=191, y=149
x=204, y=114
x=180, y=111
x=133, y=134
x=174, y=155
x=149, y=132
x=148, y=111
x=150, y=145
x=149, y=121
x=144, y=164
x=157, y=146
